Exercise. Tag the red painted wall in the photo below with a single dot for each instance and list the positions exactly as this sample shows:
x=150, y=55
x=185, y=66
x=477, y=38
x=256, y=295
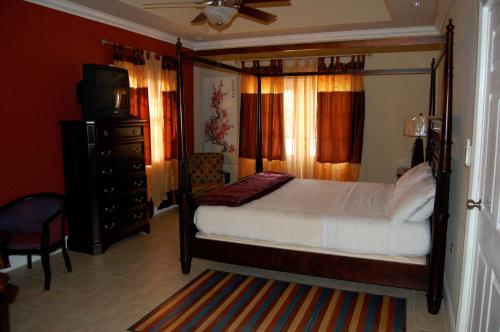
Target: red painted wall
x=41, y=57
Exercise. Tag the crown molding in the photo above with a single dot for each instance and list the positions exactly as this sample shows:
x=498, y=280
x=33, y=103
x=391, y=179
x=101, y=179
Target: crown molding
x=318, y=37
x=99, y=16
x=442, y=15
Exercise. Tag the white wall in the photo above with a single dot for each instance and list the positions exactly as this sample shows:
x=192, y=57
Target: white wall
x=200, y=73
x=388, y=100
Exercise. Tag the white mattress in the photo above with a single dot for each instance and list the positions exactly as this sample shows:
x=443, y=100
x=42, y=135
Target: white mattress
x=343, y=216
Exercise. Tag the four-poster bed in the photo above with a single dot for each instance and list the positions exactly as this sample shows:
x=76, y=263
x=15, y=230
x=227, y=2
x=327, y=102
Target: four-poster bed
x=427, y=276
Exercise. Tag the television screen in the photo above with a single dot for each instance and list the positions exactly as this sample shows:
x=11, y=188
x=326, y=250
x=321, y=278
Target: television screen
x=111, y=89
x=104, y=92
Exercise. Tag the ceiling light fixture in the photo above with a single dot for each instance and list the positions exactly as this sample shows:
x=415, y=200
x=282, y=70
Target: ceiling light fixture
x=417, y=3
x=219, y=15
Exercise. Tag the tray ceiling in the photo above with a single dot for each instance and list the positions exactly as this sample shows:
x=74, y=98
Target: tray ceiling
x=301, y=17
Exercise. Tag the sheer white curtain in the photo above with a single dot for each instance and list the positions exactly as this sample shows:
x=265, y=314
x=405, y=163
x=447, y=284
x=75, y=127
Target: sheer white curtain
x=156, y=176
x=300, y=117
x=149, y=82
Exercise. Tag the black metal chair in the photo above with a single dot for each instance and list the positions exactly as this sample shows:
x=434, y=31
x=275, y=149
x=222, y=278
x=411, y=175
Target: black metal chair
x=36, y=224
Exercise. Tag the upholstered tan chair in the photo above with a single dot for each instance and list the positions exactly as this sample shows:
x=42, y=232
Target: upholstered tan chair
x=206, y=172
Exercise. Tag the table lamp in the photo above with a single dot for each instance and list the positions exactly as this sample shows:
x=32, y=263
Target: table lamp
x=416, y=126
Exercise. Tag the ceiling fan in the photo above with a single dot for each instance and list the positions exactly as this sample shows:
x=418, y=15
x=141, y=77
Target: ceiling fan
x=221, y=12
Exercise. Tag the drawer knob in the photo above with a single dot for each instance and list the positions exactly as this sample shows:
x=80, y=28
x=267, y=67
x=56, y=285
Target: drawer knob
x=138, y=215
x=110, y=226
x=105, y=133
x=109, y=190
x=106, y=153
x=136, y=149
x=110, y=209
x=107, y=172
x=138, y=199
x=138, y=183
x=137, y=166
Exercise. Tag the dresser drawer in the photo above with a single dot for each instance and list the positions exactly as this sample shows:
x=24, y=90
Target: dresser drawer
x=124, y=219
x=136, y=199
x=120, y=151
x=109, y=188
x=115, y=132
x=119, y=203
x=107, y=169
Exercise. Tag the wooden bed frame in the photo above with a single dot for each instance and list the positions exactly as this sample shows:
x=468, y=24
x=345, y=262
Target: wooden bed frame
x=428, y=277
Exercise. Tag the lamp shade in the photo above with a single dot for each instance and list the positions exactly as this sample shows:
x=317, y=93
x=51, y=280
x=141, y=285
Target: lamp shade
x=219, y=15
x=415, y=126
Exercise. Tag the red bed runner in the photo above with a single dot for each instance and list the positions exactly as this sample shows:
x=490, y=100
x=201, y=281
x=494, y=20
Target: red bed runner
x=246, y=190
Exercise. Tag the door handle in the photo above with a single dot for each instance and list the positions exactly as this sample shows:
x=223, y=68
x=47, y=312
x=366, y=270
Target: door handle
x=472, y=204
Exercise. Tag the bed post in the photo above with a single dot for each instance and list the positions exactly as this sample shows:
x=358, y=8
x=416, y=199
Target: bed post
x=432, y=108
x=184, y=187
x=259, y=167
x=440, y=216
x=432, y=100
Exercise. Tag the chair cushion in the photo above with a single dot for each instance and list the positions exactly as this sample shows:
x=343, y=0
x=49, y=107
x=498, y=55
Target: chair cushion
x=25, y=241
x=206, y=167
x=33, y=240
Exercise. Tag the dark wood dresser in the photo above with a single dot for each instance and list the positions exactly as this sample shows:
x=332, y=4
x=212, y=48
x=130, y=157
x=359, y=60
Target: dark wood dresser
x=105, y=182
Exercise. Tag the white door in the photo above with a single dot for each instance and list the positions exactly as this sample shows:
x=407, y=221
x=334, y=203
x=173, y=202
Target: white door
x=481, y=279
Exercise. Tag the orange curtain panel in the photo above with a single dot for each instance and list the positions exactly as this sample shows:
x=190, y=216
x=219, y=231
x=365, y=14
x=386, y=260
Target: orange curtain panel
x=340, y=114
x=273, y=126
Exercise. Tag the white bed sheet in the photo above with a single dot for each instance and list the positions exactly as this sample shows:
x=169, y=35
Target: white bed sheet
x=343, y=216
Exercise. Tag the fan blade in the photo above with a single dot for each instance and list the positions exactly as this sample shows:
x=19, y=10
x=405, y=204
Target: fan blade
x=257, y=14
x=244, y=2
x=171, y=7
x=170, y=4
x=198, y=19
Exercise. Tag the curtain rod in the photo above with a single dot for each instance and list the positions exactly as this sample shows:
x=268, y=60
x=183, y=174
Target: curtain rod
x=105, y=41
x=364, y=72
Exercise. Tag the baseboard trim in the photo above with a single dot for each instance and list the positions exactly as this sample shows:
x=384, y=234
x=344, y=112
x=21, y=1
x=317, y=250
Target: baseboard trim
x=19, y=261
x=449, y=305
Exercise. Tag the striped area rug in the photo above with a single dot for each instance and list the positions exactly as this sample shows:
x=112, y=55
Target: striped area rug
x=222, y=301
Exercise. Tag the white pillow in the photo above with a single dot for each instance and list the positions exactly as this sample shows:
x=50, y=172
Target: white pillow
x=424, y=212
x=404, y=205
x=411, y=177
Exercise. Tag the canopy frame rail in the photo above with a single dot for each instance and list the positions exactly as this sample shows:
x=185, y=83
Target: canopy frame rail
x=364, y=72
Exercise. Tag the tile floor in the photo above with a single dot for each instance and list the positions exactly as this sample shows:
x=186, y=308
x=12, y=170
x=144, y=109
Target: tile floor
x=112, y=291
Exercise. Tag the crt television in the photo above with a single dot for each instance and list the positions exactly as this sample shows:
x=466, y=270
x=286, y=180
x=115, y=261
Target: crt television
x=104, y=92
